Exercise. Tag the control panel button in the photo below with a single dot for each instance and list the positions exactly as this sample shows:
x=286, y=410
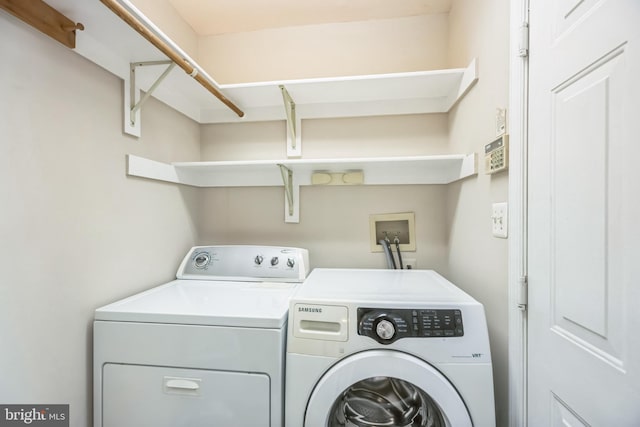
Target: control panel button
x=201, y=260
x=385, y=329
x=291, y=262
x=275, y=260
x=258, y=259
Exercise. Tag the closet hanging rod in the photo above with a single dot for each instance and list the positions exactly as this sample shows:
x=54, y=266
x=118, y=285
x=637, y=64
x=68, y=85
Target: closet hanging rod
x=170, y=52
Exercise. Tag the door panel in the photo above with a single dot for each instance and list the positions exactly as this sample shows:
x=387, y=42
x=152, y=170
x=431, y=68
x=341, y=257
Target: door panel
x=583, y=191
x=563, y=416
x=567, y=13
x=584, y=205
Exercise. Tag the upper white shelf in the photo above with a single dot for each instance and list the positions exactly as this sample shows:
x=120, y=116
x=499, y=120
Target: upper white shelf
x=354, y=96
x=441, y=169
x=112, y=44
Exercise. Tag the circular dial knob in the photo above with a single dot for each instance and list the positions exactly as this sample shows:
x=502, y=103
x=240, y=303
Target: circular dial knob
x=385, y=329
x=291, y=262
x=258, y=259
x=202, y=260
x=275, y=260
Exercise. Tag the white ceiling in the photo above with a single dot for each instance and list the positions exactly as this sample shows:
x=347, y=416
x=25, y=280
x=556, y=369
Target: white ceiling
x=211, y=17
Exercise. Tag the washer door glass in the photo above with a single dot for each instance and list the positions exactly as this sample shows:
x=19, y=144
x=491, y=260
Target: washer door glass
x=384, y=401
x=377, y=388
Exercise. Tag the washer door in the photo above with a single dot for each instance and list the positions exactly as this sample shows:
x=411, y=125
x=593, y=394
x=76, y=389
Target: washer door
x=385, y=388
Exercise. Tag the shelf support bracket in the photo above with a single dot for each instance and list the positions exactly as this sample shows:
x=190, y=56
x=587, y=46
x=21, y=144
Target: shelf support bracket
x=133, y=103
x=143, y=26
x=294, y=125
x=292, y=193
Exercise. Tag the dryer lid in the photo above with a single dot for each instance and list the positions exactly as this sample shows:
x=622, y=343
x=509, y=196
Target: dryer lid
x=194, y=302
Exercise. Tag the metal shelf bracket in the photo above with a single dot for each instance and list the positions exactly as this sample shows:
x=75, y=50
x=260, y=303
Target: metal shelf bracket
x=132, y=100
x=292, y=195
x=294, y=125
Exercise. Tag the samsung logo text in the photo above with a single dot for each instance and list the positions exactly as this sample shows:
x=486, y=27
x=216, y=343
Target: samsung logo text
x=310, y=309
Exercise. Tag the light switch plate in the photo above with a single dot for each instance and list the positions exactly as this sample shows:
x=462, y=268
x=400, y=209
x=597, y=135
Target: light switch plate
x=499, y=220
x=501, y=122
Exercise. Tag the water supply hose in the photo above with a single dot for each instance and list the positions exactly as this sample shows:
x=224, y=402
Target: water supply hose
x=386, y=246
x=397, y=242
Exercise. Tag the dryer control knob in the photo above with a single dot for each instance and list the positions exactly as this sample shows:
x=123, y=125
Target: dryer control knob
x=258, y=259
x=385, y=329
x=201, y=260
x=291, y=262
x=275, y=260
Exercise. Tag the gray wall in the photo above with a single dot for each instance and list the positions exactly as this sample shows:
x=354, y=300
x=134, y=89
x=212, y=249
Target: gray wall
x=334, y=220
x=75, y=231
x=477, y=260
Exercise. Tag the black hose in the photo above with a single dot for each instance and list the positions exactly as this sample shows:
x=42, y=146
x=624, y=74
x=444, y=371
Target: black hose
x=397, y=242
x=386, y=246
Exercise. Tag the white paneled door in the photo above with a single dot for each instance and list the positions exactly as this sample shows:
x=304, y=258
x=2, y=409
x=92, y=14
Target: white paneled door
x=584, y=213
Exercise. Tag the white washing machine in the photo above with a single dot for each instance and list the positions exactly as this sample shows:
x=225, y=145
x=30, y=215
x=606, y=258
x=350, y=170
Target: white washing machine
x=386, y=348
x=204, y=350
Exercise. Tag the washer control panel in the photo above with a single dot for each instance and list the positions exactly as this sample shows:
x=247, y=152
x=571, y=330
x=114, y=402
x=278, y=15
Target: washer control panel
x=252, y=263
x=389, y=325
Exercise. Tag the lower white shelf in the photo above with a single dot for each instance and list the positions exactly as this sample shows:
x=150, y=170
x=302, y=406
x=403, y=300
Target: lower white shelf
x=441, y=169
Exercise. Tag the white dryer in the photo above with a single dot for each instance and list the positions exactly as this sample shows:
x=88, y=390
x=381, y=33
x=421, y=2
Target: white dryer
x=206, y=349
x=371, y=348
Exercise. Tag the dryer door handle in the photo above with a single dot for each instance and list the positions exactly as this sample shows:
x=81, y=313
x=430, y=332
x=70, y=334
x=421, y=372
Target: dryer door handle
x=181, y=384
